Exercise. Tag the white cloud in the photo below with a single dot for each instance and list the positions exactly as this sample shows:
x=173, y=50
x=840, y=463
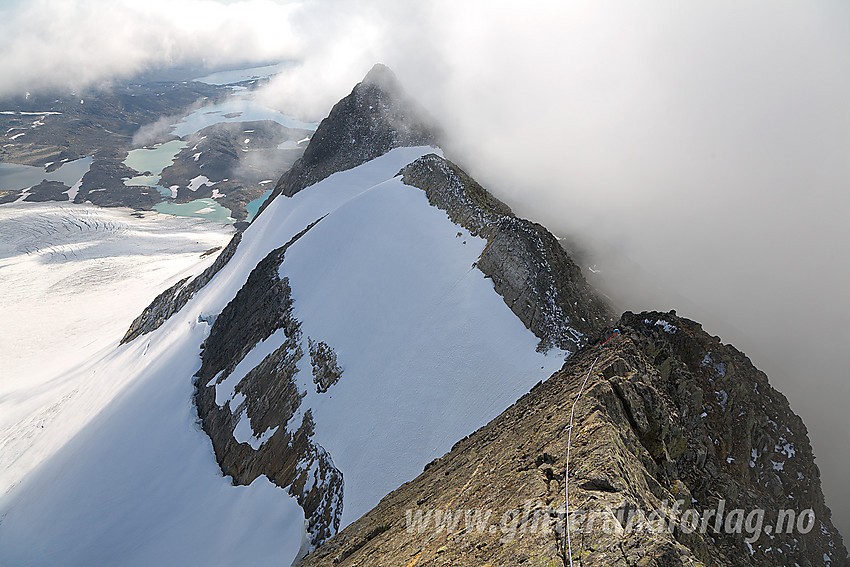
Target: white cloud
x=78, y=43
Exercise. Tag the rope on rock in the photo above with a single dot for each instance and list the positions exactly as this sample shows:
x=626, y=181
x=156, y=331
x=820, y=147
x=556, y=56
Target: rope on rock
x=569, y=440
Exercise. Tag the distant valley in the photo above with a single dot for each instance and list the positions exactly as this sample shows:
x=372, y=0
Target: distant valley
x=201, y=147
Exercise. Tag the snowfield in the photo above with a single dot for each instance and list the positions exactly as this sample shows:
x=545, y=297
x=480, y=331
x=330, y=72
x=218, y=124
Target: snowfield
x=72, y=277
x=85, y=476
x=429, y=353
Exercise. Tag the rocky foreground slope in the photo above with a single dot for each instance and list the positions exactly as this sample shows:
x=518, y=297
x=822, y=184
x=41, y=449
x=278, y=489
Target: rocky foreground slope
x=668, y=414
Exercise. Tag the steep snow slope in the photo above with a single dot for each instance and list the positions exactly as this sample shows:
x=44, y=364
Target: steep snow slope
x=429, y=351
x=386, y=281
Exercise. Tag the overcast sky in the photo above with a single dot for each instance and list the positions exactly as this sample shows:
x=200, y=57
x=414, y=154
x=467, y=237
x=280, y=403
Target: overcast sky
x=699, y=151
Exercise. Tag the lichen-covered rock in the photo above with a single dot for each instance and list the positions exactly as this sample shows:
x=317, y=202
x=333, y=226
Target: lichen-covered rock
x=671, y=422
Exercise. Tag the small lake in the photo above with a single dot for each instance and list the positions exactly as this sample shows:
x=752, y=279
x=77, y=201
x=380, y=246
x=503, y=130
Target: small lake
x=14, y=177
x=154, y=160
x=254, y=206
x=199, y=208
x=235, y=110
x=240, y=75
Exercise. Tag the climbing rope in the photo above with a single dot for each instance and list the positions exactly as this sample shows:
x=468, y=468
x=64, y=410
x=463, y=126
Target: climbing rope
x=569, y=440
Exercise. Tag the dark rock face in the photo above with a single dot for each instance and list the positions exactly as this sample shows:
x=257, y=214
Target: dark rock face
x=529, y=268
x=174, y=298
x=48, y=191
x=375, y=118
x=267, y=396
x=667, y=414
x=727, y=435
x=326, y=370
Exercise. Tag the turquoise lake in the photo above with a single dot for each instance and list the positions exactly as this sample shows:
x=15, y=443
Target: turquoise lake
x=254, y=206
x=199, y=208
x=236, y=110
x=154, y=160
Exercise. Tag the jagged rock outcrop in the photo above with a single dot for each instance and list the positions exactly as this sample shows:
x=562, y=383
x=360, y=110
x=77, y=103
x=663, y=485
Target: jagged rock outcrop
x=529, y=268
x=174, y=298
x=375, y=118
x=246, y=406
x=326, y=369
x=668, y=414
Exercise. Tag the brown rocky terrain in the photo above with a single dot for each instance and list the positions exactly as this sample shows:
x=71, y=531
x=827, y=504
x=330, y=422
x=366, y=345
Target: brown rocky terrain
x=668, y=414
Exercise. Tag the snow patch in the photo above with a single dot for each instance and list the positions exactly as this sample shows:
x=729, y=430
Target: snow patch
x=244, y=434
x=226, y=389
x=197, y=182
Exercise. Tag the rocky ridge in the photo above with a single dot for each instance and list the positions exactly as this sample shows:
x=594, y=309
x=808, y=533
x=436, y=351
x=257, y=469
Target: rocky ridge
x=668, y=414
x=375, y=118
x=529, y=268
x=523, y=259
x=521, y=251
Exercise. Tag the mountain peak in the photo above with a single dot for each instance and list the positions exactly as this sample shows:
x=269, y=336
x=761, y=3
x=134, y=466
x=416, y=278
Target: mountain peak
x=376, y=117
x=382, y=76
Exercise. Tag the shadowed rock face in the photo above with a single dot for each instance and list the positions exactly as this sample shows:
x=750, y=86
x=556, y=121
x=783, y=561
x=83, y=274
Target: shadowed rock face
x=529, y=268
x=668, y=413
x=267, y=397
x=375, y=118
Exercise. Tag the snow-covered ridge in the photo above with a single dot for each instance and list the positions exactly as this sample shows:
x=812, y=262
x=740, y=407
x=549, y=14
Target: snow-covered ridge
x=389, y=284
x=398, y=301
x=529, y=268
